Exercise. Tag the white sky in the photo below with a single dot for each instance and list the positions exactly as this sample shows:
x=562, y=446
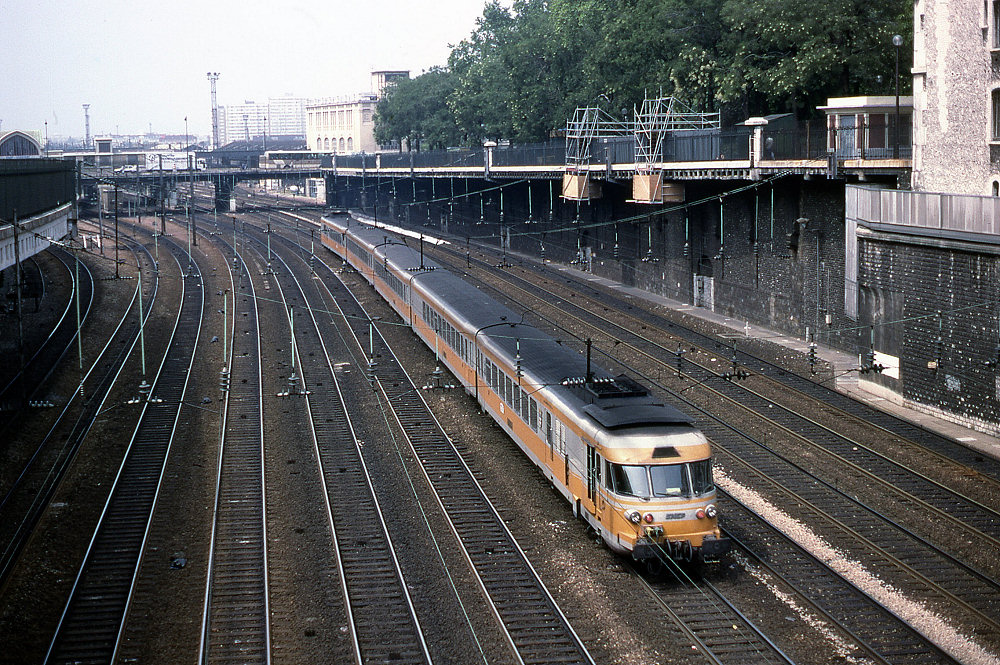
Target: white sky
x=143, y=63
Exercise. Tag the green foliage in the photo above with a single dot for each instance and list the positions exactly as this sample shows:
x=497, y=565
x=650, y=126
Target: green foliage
x=793, y=52
x=413, y=110
x=525, y=67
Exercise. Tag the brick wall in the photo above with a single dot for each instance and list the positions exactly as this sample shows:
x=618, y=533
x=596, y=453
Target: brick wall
x=934, y=304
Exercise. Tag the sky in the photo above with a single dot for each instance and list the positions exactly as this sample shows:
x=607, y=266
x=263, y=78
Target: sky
x=142, y=65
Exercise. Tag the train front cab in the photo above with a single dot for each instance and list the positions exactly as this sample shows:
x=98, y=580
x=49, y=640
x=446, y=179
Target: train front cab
x=654, y=494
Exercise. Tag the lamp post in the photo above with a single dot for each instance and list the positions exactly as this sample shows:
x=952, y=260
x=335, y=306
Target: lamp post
x=897, y=41
x=190, y=164
x=116, y=231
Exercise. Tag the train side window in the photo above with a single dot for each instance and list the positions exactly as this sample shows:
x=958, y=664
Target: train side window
x=548, y=428
x=533, y=414
x=701, y=477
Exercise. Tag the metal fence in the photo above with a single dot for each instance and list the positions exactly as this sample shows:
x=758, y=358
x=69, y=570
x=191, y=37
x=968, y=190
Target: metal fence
x=857, y=137
x=962, y=213
x=706, y=145
x=550, y=153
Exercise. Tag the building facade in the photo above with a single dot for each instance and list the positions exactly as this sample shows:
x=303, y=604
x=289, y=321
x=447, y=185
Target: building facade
x=956, y=96
x=279, y=116
x=347, y=124
x=342, y=126
x=383, y=79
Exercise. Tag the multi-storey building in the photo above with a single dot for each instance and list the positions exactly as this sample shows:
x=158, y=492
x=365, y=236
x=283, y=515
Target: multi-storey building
x=956, y=96
x=286, y=116
x=347, y=124
x=280, y=116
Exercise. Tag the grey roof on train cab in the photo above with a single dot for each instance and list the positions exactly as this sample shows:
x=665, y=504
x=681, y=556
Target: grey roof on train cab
x=613, y=402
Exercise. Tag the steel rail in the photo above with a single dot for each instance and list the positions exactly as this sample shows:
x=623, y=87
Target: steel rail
x=60, y=458
x=384, y=621
x=236, y=609
x=92, y=621
x=536, y=627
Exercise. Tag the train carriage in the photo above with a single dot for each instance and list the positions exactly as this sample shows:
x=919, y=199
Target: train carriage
x=635, y=469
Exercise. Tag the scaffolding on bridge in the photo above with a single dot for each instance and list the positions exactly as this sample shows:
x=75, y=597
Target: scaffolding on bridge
x=652, y=125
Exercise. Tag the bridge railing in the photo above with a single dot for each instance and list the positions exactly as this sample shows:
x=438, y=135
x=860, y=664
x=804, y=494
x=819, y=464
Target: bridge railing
x=795, y=140
x=550, y=153
x=869, y=138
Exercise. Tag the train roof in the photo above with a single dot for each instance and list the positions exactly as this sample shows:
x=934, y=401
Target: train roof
x=614, y=402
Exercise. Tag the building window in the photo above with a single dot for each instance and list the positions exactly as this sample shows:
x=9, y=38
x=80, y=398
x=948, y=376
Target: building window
x=996, y=188
x=995, y=133
x=341, y=145
x=350, y=144
x=996, y=24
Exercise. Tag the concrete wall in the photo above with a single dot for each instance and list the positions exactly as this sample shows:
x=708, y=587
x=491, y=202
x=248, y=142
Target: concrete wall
x=932, y=303
x=752, y=258
x=955, y=70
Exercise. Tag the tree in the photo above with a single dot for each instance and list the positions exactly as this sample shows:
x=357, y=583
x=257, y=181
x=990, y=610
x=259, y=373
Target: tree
x=795, y=53
x=416, y=111
x=526, y=67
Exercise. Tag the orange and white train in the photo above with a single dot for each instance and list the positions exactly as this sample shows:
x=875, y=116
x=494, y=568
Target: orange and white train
x=633, y=468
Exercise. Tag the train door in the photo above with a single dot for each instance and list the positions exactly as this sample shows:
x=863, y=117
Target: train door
x=594, y=494
x=561, y=443
x=548, y=435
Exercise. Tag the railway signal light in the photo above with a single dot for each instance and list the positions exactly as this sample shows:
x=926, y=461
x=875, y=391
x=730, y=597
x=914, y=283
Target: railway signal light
x=679, y=357
x=738, y=373
x=870, y=366
x=812, y=358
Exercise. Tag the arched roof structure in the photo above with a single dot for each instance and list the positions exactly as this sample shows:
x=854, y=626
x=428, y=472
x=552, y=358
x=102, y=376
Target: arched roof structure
x=19, y=144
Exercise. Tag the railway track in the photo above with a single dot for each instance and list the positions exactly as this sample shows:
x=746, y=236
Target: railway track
x=879, y=635
x=536, y=629
x=713, y=624
x=90, y=625
x=236, y=616
x=383, y=622
x=61, y=340
x=25, y=499
x=927, y=571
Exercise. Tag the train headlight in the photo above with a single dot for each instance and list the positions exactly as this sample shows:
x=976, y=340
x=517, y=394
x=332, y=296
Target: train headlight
x=633, y=516
x=700, y=514
x=648, y=517
x=711, y=510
